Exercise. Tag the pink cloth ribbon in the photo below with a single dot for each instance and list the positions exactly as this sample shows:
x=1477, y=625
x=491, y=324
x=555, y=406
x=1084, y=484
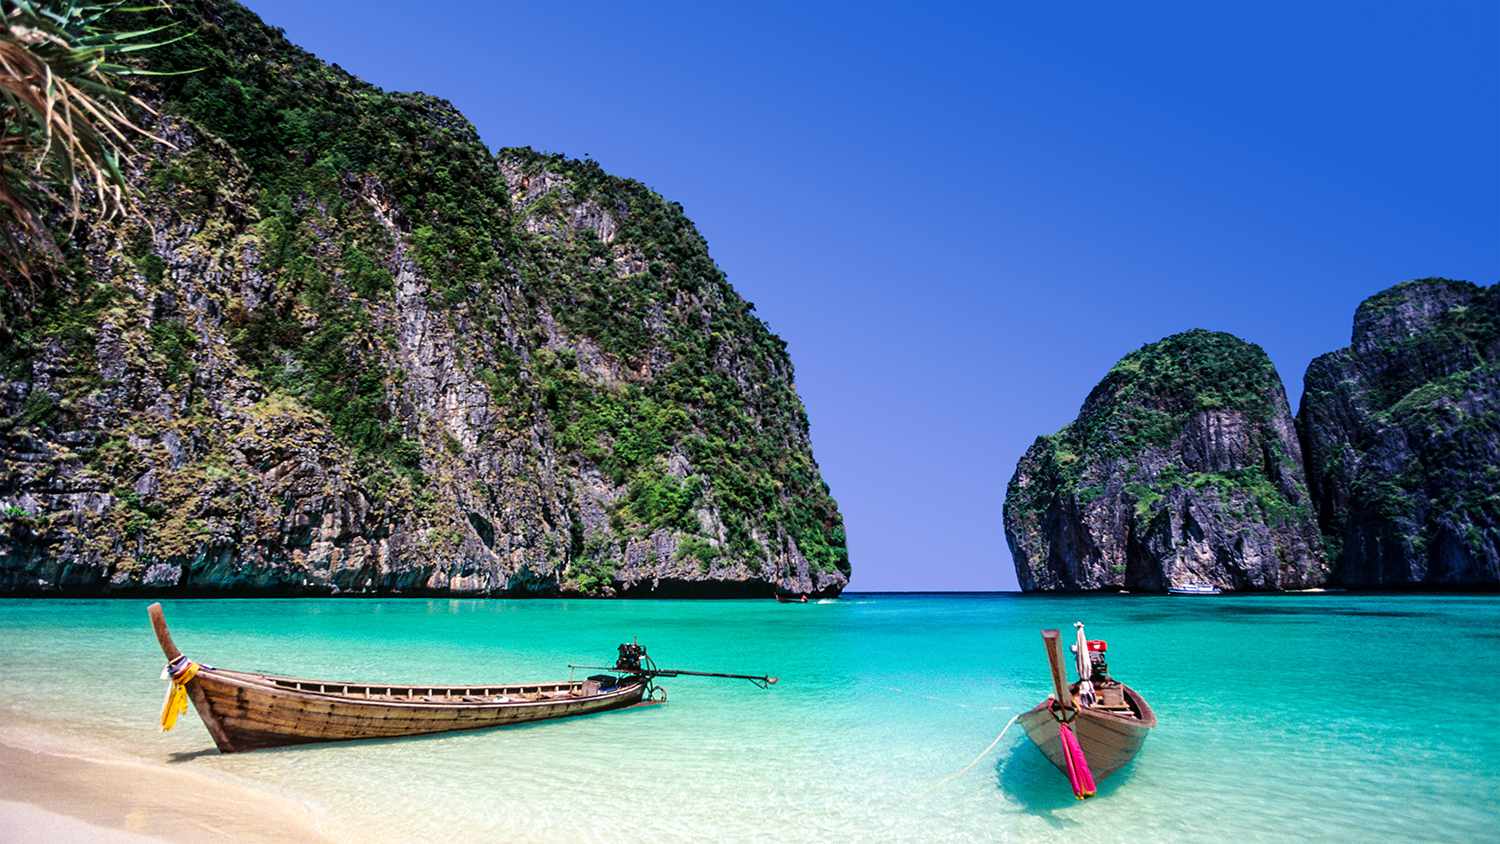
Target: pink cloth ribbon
x=1079, y=775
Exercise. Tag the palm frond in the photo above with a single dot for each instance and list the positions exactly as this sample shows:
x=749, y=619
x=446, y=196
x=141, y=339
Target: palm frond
x=66, y=130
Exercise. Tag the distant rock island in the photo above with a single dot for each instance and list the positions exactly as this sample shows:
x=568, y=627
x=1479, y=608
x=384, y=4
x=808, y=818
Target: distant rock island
x=1185, y=465
x=348, y=350
x=1401, y=432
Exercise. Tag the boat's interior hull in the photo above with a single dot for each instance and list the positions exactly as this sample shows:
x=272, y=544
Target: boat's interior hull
x=249, y=711
x=1109, y=740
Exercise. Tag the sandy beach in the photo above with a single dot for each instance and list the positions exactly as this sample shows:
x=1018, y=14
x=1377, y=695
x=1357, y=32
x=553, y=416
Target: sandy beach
x=62, y=789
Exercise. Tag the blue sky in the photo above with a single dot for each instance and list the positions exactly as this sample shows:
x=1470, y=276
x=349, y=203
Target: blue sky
x=960, y=217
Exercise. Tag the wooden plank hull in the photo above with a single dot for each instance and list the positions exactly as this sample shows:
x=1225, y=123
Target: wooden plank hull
x=250, y=711
x=1109, y=740
x=247, y=711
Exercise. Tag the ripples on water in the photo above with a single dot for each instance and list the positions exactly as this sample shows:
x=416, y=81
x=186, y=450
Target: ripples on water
x=1314, y=715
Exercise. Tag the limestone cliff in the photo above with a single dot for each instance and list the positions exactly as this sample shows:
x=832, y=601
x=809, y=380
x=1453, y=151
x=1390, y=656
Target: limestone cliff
x=346, y=349
x=1402, y=436
x=1183, y=465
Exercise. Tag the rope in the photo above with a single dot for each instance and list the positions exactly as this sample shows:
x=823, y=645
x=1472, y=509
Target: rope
x=983, y=753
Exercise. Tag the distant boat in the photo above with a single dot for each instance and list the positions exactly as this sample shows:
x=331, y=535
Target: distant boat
x=783, y=598
x=1194, y=589
x=1108, y=719
x=247, y=711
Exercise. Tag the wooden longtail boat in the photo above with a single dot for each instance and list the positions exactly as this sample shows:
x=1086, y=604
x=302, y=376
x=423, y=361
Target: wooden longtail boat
x=247, y=711
x=1110, y=731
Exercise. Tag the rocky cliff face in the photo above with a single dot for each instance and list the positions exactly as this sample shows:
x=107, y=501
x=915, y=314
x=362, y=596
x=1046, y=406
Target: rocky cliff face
x=348, y=350
x=1183, y=465
x=1402, y=436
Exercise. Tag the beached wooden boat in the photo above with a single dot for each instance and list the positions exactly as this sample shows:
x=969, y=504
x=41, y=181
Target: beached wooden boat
x=246, y=711
x=1110, y=730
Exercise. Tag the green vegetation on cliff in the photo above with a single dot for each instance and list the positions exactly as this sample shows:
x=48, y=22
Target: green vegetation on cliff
x=1146, y=401
x=747, y=462
x=1181, y=465
x=1402, y=435
x=398, y=361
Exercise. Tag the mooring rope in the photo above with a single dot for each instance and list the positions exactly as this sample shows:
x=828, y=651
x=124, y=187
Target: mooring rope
x=983, y=753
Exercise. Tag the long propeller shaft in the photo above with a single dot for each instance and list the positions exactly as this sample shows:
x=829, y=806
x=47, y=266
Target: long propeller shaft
x=673, y=672
x=760, y=680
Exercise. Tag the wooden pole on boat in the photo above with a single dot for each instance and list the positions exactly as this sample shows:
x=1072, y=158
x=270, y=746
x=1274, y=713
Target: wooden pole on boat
x=163, y=636
x=1053, y=642
x=194, y=689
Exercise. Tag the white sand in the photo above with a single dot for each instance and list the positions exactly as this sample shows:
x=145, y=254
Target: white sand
x=25, y=822
x=55, y=789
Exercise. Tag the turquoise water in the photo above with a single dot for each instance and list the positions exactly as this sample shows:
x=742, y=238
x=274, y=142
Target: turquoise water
x=1331, y=716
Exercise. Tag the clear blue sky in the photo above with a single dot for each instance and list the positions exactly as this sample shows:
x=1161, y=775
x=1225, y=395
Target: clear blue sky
x=960, y=218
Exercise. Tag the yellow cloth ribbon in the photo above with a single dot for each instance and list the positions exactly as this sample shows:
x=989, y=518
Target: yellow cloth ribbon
x=177, y=697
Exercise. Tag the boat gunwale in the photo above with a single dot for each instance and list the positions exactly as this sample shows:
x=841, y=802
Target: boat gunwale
x=265, y=683
x=1145, y=719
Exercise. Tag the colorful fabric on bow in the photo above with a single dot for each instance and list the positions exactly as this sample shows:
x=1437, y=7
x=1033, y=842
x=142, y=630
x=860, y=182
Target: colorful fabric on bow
x=177, y=673
x=1079, y=775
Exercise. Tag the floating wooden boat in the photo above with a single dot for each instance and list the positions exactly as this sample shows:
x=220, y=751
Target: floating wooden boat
x=247, y=711
x=1110, y=729
x=1194, y=589
x=783, y=598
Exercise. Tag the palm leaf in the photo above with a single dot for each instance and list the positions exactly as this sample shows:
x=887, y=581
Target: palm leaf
x=65, y=121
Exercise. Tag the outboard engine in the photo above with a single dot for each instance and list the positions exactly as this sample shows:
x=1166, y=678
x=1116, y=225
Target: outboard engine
x=1098, y=660
x=631, y=654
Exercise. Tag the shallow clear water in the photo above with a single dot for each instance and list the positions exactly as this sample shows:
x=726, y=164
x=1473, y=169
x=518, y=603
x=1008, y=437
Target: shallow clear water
x=1318, y=715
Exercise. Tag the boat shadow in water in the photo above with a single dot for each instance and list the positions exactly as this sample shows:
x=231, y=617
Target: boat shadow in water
x=180, y=756
x=328, y=746
x=1028, y=778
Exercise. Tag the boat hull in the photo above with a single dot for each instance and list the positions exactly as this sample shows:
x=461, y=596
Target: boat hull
x=244, y=711
x=1109, y=740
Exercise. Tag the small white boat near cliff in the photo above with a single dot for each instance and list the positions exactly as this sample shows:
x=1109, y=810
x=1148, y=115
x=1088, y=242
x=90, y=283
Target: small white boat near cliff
x=1194, y=589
